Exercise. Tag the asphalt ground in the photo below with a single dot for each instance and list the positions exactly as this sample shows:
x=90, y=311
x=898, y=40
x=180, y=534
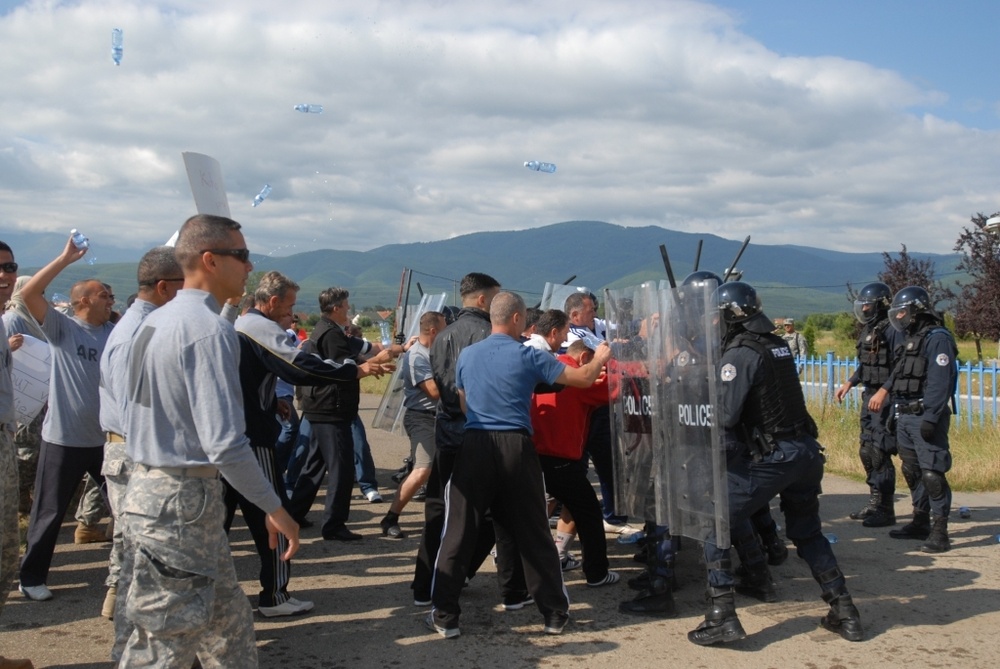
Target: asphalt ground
x=919, y=610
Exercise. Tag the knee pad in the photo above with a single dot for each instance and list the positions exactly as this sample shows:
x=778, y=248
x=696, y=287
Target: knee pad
x=878, y=459
x=936, y=484
x=911, y=473
x=865, y=450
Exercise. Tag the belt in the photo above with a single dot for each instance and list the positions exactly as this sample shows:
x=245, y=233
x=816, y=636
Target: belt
x=113, y=438
x=200, y=472
x=914, y=407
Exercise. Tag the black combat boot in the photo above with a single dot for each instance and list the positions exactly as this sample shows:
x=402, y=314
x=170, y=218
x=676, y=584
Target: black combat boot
x=874, y=500
x=937, y=540
x=885, y=514
x=656, y=600
x=918, y=528
x=757, y=583
x=843, y=617
x=721, y=624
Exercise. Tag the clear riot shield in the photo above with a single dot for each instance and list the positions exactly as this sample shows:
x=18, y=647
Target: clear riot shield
x=692, y=471
x=631, y=316
x=554, y=295
x=389, y=415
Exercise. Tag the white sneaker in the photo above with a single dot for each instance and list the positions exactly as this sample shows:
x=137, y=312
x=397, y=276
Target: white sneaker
x=291, y=607
x=623, y=528
x=36, y=593
x=373, y=496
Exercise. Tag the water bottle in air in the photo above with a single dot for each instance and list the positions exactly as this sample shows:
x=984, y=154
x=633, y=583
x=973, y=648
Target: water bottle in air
x=79, y=240
x=116, y=45
x=540, y=166
x=309, y=109
x=262, y=195
x=386, y=330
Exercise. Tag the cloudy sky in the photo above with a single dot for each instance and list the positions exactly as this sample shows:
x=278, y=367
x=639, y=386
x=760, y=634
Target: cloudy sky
x=824, y=124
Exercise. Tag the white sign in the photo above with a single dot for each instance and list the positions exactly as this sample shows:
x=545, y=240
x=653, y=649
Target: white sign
x=32, y=364
x=205, y=175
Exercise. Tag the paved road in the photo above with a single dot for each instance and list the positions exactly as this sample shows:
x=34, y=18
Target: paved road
x=919, y=610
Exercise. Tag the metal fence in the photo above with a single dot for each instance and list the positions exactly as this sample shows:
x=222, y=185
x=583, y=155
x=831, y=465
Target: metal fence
x=975, y=398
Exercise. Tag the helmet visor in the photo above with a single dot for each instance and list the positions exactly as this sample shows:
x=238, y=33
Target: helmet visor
x=901, y=317
x=864, y=310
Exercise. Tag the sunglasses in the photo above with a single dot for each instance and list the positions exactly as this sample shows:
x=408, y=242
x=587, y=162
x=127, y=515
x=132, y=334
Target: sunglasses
x=243, y=255
x=9, y=267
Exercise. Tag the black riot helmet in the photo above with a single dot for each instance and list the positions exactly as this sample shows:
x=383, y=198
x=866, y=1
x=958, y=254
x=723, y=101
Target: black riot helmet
x=739, y=305
x=702, y=278
x=873, y=302
x=450, y=314
x=908, y=306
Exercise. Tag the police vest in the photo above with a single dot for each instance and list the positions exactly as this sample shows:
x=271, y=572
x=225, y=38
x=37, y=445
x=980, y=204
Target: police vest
x=873, y=354
x=775, y=405
x=911, y=369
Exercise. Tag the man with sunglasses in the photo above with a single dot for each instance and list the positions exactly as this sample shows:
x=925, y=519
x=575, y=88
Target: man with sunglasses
x=9, y=538
x=184, y=428
x=72, y=440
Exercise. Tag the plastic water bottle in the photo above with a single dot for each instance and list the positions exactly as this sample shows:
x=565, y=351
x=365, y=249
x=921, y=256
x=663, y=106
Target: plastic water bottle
x=831, y=537
x=964, y=512
x=79, y=240
x=262, y=195
x=386, y=330
x=308, y=109
x=630, y=538
x=540, y=166
x=116, y=45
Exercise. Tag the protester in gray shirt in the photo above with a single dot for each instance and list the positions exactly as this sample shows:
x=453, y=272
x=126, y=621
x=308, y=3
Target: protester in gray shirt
x=159, y=278
x=184, y=426
x=72, y=441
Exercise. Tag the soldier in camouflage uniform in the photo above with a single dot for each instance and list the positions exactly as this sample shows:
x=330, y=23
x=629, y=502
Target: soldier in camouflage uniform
x=27, y=441
x=184, y=426
x=9, y=537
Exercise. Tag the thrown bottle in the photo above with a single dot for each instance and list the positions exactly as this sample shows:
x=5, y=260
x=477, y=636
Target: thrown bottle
x=385, y=329
x=117, y=42
x=539, y=166
x=262, y=195
x=308, y=108
x=79, y=240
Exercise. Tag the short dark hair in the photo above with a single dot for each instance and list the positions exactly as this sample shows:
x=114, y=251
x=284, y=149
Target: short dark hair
x=332, y=297
x=475, y=282
x=551, y=319
x=8, y=249
x=201, y=232
x=531, y=316
x=575, y=301
x=158, y=263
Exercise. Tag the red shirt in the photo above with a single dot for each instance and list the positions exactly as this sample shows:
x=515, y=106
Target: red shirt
x=560, y=420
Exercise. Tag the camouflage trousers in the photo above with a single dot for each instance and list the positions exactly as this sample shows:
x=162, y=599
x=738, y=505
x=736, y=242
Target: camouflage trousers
x=92, y=506
x=10, y=540
x=28, y=442
x=117, y=469
x=185, y=600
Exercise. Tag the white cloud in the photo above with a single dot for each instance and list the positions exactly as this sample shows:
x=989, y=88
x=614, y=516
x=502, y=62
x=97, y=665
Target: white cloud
x=659, y=113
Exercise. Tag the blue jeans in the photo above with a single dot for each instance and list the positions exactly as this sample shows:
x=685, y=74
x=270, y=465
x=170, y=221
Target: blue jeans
x=364, y=466
x=287, y=439
x=297, y=457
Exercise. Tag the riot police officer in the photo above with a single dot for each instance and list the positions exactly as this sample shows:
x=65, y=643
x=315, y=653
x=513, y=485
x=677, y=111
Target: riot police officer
x=876, y=346
x=923, y=381
x=770, y=433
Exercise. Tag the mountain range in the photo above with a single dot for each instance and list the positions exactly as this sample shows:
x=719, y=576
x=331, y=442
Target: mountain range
x=793, y=280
